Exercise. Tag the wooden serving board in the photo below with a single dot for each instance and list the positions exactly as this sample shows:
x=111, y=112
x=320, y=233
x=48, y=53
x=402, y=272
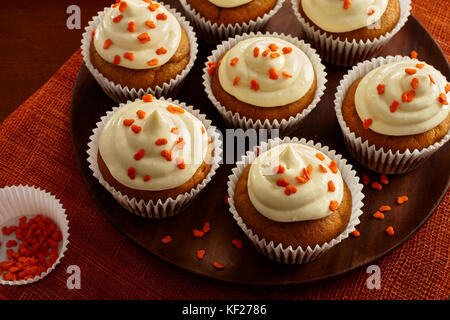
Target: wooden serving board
x=425, y=187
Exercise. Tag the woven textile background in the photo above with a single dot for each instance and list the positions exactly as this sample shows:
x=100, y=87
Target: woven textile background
x=35, y=149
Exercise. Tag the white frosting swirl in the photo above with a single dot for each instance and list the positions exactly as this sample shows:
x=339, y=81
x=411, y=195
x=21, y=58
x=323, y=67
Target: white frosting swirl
x=138, y=20
x=421, y=114
x=330, y=15
x=312, y=199
x=229, y=3
x=294, y=72
x=119, y=144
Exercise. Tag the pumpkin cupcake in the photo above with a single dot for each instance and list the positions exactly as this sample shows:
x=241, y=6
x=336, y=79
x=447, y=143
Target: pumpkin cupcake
x=295, y=200
x=154, y=156
x=393, y=112
x=346, y=32
x=264, y=81
x=217, y=20
x=138, y=47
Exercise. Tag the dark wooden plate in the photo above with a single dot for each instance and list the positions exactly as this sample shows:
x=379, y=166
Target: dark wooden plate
x=425, y=186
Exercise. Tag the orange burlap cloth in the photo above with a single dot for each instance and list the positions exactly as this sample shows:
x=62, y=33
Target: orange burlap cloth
x=435, y=16
x=35, y=149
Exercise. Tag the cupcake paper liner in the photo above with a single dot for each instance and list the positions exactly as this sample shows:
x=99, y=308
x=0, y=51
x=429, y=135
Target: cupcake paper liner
x=20, y=201
x=123, y=94
x=214, y=33
x=297, y=255
x=348, y=53
x=160, y=209
x=285, y=125
x=379, y=160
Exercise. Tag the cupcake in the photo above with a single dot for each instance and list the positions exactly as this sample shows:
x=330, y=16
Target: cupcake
x=154, y=156
x=218, y=20
x=393, y=112
x=139, y=47
x=346, y=32
x=295, y=200
x=264, y=81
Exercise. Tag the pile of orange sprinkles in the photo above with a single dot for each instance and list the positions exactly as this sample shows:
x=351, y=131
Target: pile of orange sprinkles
x=37, y=241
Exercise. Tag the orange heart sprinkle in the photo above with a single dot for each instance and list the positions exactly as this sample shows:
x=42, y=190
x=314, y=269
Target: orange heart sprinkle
x=333, y=205
x=152, y=62
x=150, y=24
x=107, y=44
x=367, y=123
x=118, y=18
x=147, y=98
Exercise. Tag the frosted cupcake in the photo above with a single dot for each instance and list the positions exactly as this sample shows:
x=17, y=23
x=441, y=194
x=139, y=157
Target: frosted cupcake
x=295, y=198
x=218, y=20
x=346, y=32
x=155, y=152
x=139, y=47
x=394, y=113
x=265, y=81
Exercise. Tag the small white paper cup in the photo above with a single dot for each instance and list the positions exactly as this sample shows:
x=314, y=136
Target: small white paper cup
x=123, y=94
x=160, y=209
x=297, y=255
x=348, y=53
x=214, y=33
x=285, y=126
x=379, y=160
x=19, y=201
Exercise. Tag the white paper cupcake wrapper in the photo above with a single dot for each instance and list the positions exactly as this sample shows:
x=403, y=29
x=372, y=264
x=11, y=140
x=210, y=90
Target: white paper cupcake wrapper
x=123, y=94
x=298, y=255
x=214, y=33
x=160, y=209
x=20, y=201
x=348, y=53
x=379, y=160
x=285, y=125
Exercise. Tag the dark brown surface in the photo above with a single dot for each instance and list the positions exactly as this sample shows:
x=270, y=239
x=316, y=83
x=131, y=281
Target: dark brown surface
x=247, y=265
x=36, y=42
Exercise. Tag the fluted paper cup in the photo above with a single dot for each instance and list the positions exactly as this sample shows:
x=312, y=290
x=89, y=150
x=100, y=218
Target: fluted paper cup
x=285, y=126
x=379, y=160
x=345, y=52
x=214, y=33
x=122, y=94
x=27, y=201
x=297, y=255
x=150, y=209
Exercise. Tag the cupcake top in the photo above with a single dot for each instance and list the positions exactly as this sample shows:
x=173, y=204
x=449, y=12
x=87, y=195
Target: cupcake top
x=266, y=72
x=294, y=182
x=344, y=15
x=229, y=3
x=402, y=98
x=137, y=34
x=153, y=145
